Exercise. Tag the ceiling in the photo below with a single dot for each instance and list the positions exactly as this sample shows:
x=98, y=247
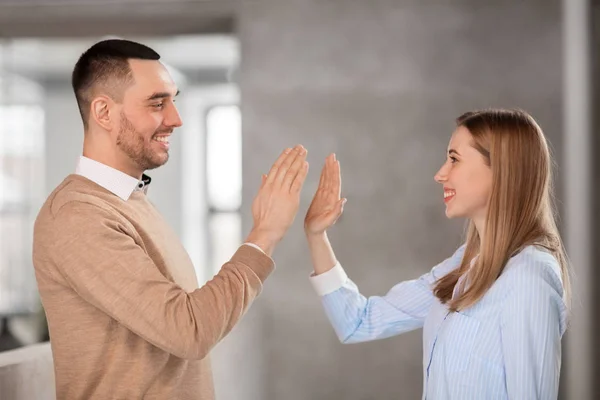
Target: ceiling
x=60, y=18
x=53, y=59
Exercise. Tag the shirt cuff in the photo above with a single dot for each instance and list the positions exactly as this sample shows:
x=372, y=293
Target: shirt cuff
x=330, y=281
x=255, y=246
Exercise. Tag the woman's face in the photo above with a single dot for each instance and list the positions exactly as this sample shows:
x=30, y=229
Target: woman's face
x=466, y=178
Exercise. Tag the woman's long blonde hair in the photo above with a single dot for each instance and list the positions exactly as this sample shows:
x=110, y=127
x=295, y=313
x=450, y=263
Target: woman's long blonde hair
x=521, y=210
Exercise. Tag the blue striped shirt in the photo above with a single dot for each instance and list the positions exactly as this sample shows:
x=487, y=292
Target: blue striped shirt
x=506, y=346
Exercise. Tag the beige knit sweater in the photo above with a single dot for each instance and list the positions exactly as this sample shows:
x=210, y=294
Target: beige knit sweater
x=126, y=317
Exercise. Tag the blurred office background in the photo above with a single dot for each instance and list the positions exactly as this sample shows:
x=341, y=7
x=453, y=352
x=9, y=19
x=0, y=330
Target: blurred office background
x=377, y=82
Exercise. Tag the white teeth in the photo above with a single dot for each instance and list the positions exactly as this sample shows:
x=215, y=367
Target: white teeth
x=163, y=139
x=449, y=193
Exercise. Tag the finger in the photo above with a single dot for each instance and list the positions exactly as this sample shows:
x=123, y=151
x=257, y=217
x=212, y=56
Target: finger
x=277, y=165
x=295, y=168
x=286, y=164
x=339, y=209
x=263, y=180
x=299, y=180
x=322, y=178
x=337, y=179
x=327, y=182
x=336, y=212
x=331, y=174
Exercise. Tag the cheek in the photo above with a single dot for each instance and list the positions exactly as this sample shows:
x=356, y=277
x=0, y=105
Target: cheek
x=148, y=126
x=146, y=121
x=155, y=123
x=482, y=185
x=475, y=185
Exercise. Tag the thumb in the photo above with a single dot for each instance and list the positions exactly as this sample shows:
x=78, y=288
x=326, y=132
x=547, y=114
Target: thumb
x=340, y=207
x=263, y=180
x=341, y=204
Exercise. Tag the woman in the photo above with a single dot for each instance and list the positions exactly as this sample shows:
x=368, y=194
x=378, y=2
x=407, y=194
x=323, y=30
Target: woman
x=493, y=314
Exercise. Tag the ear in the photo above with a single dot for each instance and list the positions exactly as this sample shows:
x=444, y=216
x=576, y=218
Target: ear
x=102, y=112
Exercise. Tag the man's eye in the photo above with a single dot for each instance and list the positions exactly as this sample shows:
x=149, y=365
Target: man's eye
x=159, y=105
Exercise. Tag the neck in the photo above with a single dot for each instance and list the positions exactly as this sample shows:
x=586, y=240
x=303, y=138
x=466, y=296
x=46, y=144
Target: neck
x=480, y=226
x=109, y=155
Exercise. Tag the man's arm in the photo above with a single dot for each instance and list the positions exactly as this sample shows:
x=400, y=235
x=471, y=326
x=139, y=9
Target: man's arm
x=112, y=272
x=104, y=265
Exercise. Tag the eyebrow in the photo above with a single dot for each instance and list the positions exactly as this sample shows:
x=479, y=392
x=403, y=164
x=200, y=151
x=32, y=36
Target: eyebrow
x=452, y=151
x=160, y=95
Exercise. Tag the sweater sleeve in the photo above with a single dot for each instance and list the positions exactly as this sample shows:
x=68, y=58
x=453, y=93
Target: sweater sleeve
x=99, y=259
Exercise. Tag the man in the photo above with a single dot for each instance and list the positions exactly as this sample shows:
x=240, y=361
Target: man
x=126, y=317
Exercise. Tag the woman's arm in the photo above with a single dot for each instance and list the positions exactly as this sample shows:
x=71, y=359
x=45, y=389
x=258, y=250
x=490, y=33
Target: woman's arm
x=533, y=321
x=354, y=317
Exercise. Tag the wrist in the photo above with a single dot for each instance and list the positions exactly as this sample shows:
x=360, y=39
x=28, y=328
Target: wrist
x=263, y=239
x=315, y=236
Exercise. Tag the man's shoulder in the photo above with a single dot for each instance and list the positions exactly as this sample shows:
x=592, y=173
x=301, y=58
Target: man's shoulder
x=74, y=192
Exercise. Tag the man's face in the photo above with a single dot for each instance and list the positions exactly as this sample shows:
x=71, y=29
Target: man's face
x=148, y=115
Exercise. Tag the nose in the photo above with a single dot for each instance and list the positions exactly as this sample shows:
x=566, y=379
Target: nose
x=173, y=119
x=442, y=175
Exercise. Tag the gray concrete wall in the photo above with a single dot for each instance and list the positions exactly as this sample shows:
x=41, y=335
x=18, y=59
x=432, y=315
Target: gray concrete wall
x=379, y=83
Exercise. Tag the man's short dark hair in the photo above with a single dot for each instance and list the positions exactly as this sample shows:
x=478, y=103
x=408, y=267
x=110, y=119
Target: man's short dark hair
x=106, y=65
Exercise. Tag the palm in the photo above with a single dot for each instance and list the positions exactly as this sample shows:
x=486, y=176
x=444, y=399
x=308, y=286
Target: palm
x=326, y=206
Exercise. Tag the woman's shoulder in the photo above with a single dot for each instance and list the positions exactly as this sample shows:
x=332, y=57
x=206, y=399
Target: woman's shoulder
x=449, y=264
x=531, y=266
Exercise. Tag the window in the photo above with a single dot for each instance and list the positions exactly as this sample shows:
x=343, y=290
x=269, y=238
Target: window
x=21, y=194
x=224, y=182
x=224, y=158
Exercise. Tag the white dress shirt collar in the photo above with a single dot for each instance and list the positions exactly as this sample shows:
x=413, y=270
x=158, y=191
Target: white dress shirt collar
x=110, y=178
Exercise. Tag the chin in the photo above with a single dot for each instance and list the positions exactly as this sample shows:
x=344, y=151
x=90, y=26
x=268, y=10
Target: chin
x=451, y=214
x=155, y=164
x=160, y=161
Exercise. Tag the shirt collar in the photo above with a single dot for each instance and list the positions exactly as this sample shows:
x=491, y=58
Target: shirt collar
x=111, y=179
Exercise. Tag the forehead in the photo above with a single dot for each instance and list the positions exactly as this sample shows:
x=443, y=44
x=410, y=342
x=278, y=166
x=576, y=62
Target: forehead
x=461, y=138
x=150, y=77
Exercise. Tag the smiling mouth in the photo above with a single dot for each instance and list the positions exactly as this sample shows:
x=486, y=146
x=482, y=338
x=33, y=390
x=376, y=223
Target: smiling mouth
x=448, y=195
x=163, y=140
